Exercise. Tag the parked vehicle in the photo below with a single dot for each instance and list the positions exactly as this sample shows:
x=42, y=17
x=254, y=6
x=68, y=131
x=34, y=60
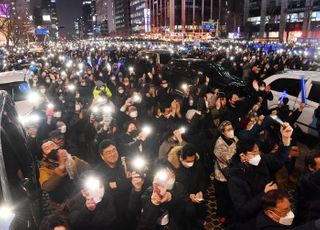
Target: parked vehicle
x=160, y=57
x=288, y=84
x=19, y=190
x=181, y=71
x=16, y=83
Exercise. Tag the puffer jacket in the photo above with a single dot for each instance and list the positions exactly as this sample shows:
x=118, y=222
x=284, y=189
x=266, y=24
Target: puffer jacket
x=57, y=183
x=193, y=178
x=246, y=186
x=223, y=154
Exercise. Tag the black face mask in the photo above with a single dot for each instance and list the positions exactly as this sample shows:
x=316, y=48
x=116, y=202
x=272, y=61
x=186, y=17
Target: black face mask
x=134, y=133
x=53, y=155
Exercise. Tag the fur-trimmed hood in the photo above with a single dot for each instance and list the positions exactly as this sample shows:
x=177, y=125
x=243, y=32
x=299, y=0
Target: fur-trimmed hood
x=174, y=155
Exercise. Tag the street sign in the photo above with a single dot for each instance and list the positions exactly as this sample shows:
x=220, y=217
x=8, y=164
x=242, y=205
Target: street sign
x=208, y=25
x=299, y=9
x=42, y=31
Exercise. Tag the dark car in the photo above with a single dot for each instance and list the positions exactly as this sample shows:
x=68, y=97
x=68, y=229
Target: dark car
x=19, y=190
x=184, y=70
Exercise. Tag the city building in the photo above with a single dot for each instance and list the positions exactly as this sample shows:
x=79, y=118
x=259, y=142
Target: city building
x=189, y=16
x=18, y=13
x=139, y=16
x=122, y=17
x=89, y=18
x=78, y=28
x=49, y=17
x=286, y=20
x=105, y=17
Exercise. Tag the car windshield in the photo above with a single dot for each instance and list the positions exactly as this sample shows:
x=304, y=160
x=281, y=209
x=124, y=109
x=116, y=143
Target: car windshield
x=17, y=90
x=165, y=58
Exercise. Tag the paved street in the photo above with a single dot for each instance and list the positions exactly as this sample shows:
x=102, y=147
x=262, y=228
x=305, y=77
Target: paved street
x=212, y=222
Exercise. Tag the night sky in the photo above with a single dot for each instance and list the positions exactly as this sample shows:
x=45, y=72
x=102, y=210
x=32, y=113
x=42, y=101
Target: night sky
x=68, y=11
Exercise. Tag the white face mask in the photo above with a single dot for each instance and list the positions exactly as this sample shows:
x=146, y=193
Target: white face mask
x=113, y=78
x=78, y=107
x=255, y=161
x=191, y=102
x=165, y=85
x=121, y=91
x=187, y=164
x=83, y=84
x=262, y=88
x=48, y=81
x=100, y=74
x=77, y=95
x=230, y=134
x=43, y=91
x=126, y=83
x=287, y=220
x=63, y=129
x=57, y=114
x=133, y=114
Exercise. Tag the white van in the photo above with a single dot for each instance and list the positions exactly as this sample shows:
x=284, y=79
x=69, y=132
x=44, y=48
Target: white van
x=290, y=82
x=16, y=83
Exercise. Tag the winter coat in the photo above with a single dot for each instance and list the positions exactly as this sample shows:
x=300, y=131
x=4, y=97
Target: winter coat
x=246, y=186
x=150, y=215
x=223, y=154
x=167, y=146
x=118, y=174
x=193, y=178
x=308, y=196
x=255, y=131
x=97, y=92
x=103, y=217
x=266, y=96
x=57, y=183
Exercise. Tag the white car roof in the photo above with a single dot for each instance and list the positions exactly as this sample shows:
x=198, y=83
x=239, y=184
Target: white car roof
x=313, y=75
x=13, y=76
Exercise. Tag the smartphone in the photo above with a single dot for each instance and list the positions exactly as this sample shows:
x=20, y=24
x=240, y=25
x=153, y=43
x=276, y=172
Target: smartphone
x=53, y=155
x=277, y=119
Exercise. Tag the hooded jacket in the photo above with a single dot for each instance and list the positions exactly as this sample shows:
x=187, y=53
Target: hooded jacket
x=57, y=183
x=223, y=154
x=97, y=92
x=193, y=178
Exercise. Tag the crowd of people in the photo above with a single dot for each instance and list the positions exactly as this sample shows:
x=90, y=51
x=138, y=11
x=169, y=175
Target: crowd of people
x=119, y=147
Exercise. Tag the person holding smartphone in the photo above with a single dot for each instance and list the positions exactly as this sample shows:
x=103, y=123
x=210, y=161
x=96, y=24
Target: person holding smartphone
x=162, y=203
x=251, y=175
